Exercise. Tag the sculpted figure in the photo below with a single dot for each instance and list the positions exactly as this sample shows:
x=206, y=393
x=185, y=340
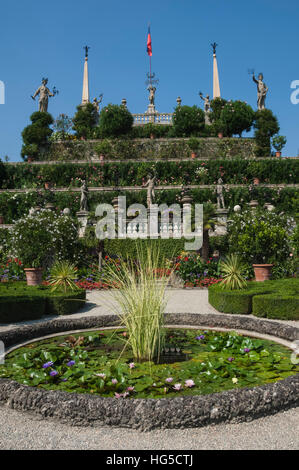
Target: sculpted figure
x=219, y=192
x=150, y=184
x=262, y=90
x=84, y=195
x=44, y=94
x=152, y=91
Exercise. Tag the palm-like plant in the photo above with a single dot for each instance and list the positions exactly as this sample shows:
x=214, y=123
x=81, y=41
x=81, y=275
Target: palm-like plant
x=62, y=276
x=232, y=269
x=209, y=221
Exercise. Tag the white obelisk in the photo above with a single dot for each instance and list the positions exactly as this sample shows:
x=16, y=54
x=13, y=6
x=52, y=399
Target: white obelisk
x=216, y=86
x=85, y=92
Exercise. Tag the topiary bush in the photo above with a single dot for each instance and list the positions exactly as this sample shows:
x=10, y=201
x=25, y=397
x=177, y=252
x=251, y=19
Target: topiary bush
x=266, y=126
x=236, y=116
x=85, y=120
x=188, y=120
x=115, y=121
x=36, y=135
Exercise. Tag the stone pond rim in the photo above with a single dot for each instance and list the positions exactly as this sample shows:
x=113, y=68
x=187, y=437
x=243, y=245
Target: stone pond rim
x=236, y=405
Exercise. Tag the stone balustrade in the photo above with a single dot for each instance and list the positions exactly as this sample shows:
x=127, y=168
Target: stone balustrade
x=154, y=118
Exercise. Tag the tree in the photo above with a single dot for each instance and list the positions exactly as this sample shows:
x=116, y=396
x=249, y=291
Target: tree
x=85, y=120
x=188, y=120
x=266, y=126
x=115, y=120
x=217, y=106
x=62, y=125
x=209, y=220
x=236, y=116
x=36, y=135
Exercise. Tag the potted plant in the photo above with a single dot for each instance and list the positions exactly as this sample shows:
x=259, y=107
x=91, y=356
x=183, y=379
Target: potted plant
x=40, y=237
x=278, y=143
x=1, y=219
x=46, y=173
x=194, y=145
x=261, y=239
x=103, y=149
x=254, y=170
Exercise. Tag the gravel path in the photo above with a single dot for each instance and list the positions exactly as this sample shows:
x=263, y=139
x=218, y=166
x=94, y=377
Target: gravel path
x=21, y=431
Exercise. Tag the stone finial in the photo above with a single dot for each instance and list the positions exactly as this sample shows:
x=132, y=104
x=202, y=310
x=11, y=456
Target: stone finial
x=179, y=100
x=124, y=102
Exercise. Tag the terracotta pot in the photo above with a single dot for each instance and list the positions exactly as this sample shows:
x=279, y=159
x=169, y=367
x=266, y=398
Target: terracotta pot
x=262, y=272
x=193, y=155
x=152, y=136
x=29, y=160
x=1, y=220
x=47, y=185
x=33, y=276
x=256, y=181
x=278, y=154
x=220, y=135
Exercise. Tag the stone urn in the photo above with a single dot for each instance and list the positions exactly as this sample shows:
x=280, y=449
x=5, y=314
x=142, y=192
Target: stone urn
x=262, y=272
x=34, y=276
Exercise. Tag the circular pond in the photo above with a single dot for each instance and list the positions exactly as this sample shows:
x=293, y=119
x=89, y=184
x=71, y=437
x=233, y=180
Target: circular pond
x=86, y=375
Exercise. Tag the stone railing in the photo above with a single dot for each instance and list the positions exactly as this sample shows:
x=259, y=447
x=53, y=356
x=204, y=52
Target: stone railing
x=154, y=118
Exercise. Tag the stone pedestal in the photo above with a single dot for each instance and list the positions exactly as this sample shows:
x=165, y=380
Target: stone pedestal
x=82, y=217
x=221, y=224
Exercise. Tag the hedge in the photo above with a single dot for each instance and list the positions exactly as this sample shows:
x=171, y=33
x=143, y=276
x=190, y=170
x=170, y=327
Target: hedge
x=128, y=248
x=270, y=299
x=233, y=171
x=19, y=302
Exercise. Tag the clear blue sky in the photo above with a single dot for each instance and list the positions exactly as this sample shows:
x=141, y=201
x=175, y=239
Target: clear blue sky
x=46, y=39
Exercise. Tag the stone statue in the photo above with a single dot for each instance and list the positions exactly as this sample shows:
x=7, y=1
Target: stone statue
x=262, y=90
x=84, y=195
x=207, y=107
x=44, y=94
x=150, y=184
x=152, y=91
x=219, y=191
x=207, y=103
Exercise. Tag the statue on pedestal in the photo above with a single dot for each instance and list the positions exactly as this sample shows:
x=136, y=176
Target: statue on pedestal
x=262, y=91
x=207, y=107
x=152, y=91
x=44, y=94
x=150, y=184
x=84, y=195
x=219, y=192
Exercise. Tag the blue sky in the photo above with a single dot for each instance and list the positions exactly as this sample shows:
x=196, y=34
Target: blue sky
x=46, y=39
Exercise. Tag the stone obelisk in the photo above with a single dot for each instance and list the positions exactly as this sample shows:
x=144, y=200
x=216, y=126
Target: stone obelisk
x=85, y=92
x=216, y=86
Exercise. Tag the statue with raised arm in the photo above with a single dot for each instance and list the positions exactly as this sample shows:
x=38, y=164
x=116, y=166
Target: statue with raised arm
x=152, y=91
x=219, y=192
x=84, y=195
x=262, y=90
x=207, y=102
x=44, y=94
x=150, y=184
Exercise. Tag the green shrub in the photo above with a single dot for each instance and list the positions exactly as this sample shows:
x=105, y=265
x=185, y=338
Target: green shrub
x=20, y=308
x=217, y=105
x=279, y=306
x=115, y=120
x=36, y=135
x=188, y=120
x=271, y=299
x=236, y=117
x=85, y=120
x=266, y=126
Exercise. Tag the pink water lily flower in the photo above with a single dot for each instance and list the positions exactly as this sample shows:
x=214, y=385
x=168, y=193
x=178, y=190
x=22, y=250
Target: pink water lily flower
x=114, y=381
x=189, y=383
x=177, y=387
x=169, y=380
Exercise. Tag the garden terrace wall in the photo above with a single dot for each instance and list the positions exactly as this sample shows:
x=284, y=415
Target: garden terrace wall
x=236, y=405
x=16, y=204
x=137, y=149
x=112, y=174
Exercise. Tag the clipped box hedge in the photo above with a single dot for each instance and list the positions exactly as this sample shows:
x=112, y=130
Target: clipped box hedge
x=270, y=299
x=19, y=302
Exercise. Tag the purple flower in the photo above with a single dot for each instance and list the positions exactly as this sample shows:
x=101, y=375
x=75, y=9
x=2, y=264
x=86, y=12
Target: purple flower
x=71, y=363
x=47, y=364
x=53, y=373
x=246, y=349
x=63, y=380
x=231, y=359
x=131, y=365
x=200, y=337
x=114, y=381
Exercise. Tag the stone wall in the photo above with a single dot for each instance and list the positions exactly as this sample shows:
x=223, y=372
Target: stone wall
x=150, y=149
